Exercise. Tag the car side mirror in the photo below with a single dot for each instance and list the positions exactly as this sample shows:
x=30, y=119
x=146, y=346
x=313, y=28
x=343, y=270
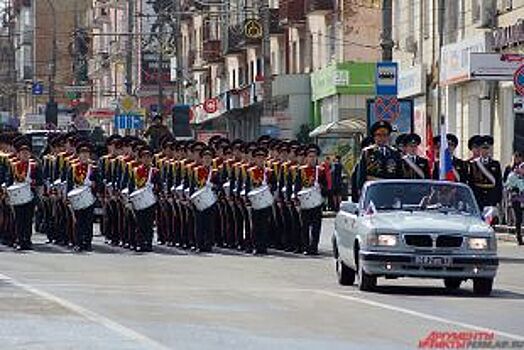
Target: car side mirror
x=349, y=207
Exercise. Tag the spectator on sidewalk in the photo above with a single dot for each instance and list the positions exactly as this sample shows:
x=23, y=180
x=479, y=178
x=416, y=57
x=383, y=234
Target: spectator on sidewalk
x=327, y=173
x=515, y=186
x=156, y=132
x=336, y=178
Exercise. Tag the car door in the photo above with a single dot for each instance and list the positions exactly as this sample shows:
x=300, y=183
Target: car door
x=345, y=226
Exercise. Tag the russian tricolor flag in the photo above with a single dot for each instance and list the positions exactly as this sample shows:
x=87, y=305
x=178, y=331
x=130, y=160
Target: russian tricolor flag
x=446, y=160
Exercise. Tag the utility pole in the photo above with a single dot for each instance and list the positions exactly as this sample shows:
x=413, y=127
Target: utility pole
x=441, y=23
x=178, y=48
x=387, y=23
x=129, y=48
x=52, y=108
x=266, y=52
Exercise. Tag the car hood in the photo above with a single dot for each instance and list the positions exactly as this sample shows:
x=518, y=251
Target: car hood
x=420, y=222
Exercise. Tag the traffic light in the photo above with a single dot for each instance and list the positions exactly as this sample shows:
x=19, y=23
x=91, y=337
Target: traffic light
x=51, y=113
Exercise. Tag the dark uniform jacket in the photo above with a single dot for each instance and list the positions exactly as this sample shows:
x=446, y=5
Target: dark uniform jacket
x=460, y=170
x=306, y=177
x=78, y=173
x=378, y=163
x=487, y=189
x=419, y=163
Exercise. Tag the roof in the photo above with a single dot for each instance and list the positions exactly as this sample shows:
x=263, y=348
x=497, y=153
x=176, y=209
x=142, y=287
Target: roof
x=347, y=126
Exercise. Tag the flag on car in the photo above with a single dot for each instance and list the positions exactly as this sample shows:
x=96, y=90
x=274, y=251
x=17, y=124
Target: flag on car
x=430, y=152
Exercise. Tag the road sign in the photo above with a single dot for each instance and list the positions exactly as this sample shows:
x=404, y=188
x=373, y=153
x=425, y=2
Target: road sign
x=386, y=81
x=211, y=105
x=129, y=121
x=518, y=80
x=77, y=88
x=38, y=88
x=387, y=108
x=253, y=29
x=127, y=103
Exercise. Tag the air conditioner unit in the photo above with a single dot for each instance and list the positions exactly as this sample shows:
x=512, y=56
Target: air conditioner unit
x=487, y=13
x=410, y=44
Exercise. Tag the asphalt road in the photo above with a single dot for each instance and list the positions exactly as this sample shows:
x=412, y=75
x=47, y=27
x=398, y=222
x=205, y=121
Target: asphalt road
x=51, y=298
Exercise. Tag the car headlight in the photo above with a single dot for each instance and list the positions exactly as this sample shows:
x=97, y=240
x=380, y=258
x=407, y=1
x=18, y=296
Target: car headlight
x=384, y=240
x=478, y=243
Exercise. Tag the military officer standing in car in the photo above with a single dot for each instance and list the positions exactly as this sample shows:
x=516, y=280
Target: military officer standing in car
x=414, y=166
x=485, y=176
x=378, y=161
x=460, y=167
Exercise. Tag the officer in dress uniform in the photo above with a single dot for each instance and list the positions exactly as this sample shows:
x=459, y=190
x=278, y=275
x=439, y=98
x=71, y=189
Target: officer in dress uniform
x=257, y=176
x=378, y=161
x=84, y=173
x=25, y=169
x=205, y=174
x=485, y=175
x=145, y=174
x=414, y=166
x=311, y=174
x=460, y=167
x=474, y=144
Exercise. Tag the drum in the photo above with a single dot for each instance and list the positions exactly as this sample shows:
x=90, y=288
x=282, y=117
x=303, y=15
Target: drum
x=310, y=198
x=20, y=193
x=204, y=198
x=261, y=198
x=143, y=198
x=81, y=198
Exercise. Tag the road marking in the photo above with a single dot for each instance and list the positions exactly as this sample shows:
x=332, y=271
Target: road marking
x=90, y=315
x=420, y=314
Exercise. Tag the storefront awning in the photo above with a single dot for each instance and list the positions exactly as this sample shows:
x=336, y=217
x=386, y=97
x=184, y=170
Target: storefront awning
x=348, y=126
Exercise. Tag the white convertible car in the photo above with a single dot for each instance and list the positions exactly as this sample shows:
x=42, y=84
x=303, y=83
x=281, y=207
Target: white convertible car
x=406, y=228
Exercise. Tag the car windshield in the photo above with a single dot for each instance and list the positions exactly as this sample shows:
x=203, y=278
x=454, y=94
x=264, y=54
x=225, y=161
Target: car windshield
x=441, y=197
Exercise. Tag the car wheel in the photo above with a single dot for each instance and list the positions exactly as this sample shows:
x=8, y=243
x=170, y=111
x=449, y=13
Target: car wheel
x=365, y=282
x=482, y=286
x=345, y=274
x=452, y=283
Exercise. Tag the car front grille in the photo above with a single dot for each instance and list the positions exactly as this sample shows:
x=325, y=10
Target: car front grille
x=418, y=240
x=449, y=241
x=427, y=241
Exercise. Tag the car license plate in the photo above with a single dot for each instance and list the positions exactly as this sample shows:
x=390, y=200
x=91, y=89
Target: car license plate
x=433, y=260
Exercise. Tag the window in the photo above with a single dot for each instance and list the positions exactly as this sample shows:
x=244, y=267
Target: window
x=426, y=16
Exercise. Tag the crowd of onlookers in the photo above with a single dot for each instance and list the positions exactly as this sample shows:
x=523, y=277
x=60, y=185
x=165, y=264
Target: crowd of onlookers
x=335, y=183
x=514, y=186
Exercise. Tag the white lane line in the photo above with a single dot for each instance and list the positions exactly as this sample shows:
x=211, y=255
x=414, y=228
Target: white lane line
x=90, y=315
x=420, y=314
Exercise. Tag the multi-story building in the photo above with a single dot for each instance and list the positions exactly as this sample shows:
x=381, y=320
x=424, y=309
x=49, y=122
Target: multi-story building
x=304, y=36
x=471, y=105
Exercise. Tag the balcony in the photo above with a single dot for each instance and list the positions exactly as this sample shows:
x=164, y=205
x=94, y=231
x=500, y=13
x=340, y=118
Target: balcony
x=291, y=11
x=312, y=6
x=239, y=38
x=212, y=50
x=274, y=22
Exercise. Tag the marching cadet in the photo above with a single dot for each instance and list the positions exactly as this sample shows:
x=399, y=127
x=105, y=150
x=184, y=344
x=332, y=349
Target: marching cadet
x=106, y=165
x=414, y=166
x=485, y=175
x=145, y=174
x=257, y=176
x=84, y=173
x=378, y=161
x=292, y=218
x=204, y=174
x=242, y=181
x=460, y=167
x=366, y=142
x=7, y=156
x=25, y=170
x=309, y=175
x=234, y=195
x=164, y=214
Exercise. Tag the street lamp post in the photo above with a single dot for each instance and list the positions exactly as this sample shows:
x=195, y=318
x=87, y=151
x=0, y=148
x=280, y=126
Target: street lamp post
x=51, y=109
